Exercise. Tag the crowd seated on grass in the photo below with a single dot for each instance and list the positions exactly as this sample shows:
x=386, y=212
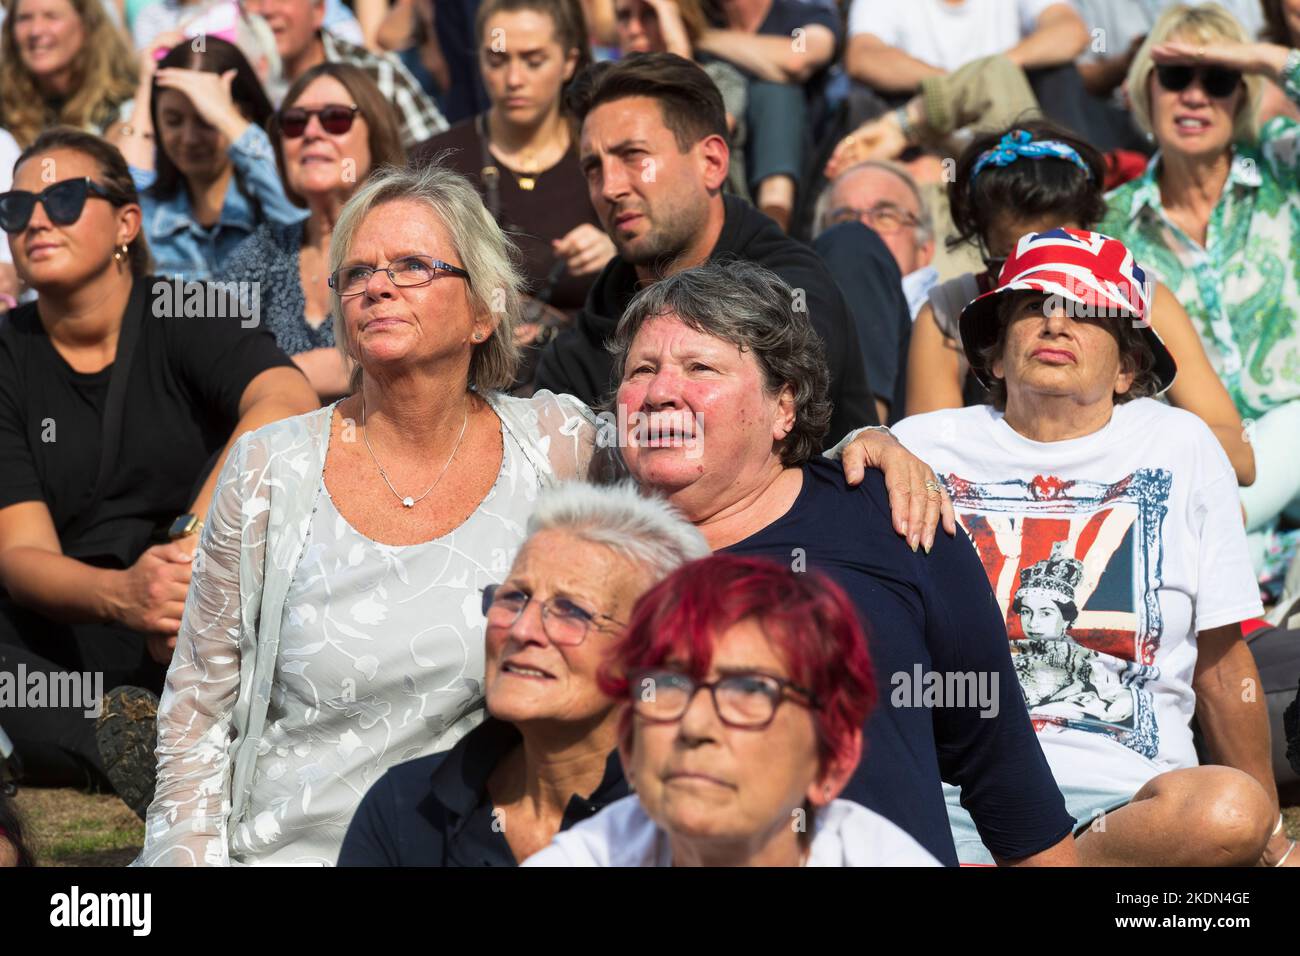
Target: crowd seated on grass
x=405, y=415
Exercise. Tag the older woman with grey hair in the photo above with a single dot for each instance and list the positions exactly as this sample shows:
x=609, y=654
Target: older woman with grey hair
x=331, y=629
x=723, y=405
x=545, y=758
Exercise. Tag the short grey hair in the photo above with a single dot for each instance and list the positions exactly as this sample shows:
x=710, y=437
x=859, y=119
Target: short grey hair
x=646, y=531
x=487, y=254
x=752, y=308
x=925, y=221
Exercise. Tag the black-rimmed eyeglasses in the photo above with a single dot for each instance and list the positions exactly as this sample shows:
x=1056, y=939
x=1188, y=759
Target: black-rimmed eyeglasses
x=747, y=700
x=563, y=621
x=63, y=202
x=407, y=271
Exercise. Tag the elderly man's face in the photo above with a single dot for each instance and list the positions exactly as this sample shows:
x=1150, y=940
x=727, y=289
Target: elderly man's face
x=294, y=23
x=711, y=785
x=529, y=677
x=879, y=199
x=1047, y=353
x=651, y=198
x=393, y=329
x=696, y=419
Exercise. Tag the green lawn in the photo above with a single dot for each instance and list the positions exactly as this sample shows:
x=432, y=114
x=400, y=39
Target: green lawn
x=69, y=828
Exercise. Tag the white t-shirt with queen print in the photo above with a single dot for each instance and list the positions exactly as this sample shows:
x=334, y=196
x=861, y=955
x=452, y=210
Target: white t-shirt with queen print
x=1108, y=554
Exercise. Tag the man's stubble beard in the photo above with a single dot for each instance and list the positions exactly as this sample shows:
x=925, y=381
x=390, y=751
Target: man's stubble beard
x=671, y=233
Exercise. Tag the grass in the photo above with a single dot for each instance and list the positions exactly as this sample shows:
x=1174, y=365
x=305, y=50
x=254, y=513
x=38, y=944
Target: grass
x=70, y=828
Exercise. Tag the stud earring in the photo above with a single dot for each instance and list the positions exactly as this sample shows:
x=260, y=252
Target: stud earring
x=121, y=253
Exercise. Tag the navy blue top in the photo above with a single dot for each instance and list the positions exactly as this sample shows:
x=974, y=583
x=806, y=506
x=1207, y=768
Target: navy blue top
x=936, y=611
x=436, y=811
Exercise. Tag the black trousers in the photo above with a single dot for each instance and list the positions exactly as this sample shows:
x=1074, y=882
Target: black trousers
x=56, y=746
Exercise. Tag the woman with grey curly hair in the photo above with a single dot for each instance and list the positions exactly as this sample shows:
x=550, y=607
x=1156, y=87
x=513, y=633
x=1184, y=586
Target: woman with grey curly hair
x=721, y=408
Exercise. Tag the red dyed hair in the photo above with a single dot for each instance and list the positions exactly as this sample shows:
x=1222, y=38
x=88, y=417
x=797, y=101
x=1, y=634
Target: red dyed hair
x=810, y=621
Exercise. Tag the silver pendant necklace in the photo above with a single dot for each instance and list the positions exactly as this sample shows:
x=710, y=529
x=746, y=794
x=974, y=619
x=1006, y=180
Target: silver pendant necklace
x=407, y=501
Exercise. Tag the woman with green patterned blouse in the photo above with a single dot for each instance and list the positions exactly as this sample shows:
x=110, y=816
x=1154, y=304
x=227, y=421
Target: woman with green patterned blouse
x=1216, y=217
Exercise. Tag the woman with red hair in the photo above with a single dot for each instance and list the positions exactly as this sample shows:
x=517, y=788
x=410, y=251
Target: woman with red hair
x=748, y=773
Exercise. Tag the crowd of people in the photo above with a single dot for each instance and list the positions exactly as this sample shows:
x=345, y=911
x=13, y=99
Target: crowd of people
x=407, y=409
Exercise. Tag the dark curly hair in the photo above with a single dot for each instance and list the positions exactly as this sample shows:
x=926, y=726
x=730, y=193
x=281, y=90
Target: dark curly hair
x=1028, y=188
x=753, y=309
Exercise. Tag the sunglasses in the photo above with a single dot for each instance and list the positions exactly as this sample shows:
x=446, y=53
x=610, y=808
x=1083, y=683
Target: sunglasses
x=334, y=119
x=63, y=203
x=1217, y=81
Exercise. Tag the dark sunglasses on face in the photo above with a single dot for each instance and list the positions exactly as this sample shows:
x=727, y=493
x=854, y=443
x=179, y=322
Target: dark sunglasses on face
x=63, y=203
x=334, y=119
x=1217, y=81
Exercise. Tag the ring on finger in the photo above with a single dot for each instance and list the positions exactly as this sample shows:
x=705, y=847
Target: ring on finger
x=933, y=487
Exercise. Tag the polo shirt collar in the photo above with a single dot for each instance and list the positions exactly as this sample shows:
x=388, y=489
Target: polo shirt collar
x=459, y=782
x=1244, y=171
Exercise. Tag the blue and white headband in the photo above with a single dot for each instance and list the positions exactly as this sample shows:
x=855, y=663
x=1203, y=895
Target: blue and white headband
x=1019, y=143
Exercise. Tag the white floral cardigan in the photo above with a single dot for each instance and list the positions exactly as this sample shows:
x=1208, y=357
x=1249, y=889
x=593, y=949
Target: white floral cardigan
x=213, y=711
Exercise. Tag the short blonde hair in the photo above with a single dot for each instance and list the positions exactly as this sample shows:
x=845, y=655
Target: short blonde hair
x=485, y=252
x=1204, y=24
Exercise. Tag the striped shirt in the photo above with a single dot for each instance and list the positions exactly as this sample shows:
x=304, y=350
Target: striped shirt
x=417, y=114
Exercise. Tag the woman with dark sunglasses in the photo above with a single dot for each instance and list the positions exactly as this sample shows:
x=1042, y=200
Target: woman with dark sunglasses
x=333, y=128
x=1214, y=218
x=117, y=401
x=746, y=686
x=1034, y=176
x=201, y=158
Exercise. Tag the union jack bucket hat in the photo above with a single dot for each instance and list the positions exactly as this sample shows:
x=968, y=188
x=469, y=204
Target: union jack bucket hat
x=1094, y=275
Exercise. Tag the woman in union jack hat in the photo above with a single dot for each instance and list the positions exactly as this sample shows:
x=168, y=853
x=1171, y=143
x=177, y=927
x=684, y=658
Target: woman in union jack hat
x=1109, y=526
x=1088, y=275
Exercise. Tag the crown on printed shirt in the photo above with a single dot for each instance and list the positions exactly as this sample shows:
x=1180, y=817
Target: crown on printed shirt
x=1057, y=575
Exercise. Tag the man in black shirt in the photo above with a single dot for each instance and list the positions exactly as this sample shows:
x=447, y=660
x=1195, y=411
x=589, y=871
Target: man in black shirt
x=655, y=155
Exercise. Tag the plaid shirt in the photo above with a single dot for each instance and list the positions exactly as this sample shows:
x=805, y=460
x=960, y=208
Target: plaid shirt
x=419, y=117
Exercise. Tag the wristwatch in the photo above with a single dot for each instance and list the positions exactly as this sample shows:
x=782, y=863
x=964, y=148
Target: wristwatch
x=184, y=526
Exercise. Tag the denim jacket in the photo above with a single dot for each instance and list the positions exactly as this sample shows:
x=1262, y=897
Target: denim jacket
x=180, y=246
